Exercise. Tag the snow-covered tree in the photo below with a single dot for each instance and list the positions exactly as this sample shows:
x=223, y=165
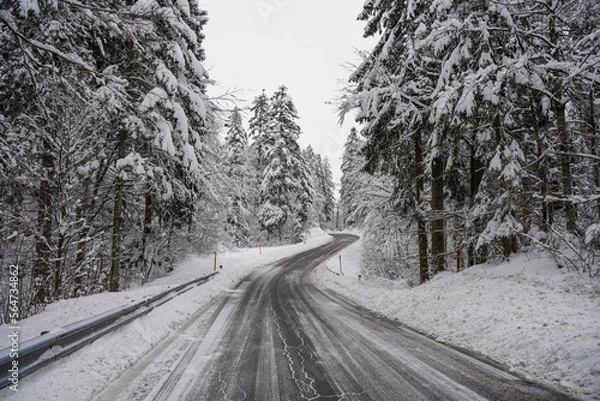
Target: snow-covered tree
x=323, y=205
x=352, y=173
x=259, y=125
x=392, y=91
x=285, y=191
x=326, y=188
x=368, y=203
x=236, y=140
x=106, y=102
x=241, y=178
x=483, y=93
x=512, y=69
x=172, y=115
x=60, y=109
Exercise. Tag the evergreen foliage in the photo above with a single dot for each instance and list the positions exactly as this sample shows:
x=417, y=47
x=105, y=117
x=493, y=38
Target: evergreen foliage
x=110, y=162
x=285, y=191
x=237, y=162
x=322, y=183
x=106, y=144
x=482, y=113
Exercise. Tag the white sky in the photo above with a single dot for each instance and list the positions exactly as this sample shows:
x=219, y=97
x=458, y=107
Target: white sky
x=303, y=44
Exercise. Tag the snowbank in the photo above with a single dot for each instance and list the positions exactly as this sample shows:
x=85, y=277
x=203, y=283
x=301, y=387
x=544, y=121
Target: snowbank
x=527, y=314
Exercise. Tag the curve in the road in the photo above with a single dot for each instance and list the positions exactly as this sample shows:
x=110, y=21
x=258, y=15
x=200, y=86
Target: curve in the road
x=278, y=337
x=288, y=340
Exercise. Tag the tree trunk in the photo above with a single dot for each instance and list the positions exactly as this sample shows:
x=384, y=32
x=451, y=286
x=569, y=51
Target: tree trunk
x=115, y=266
x=564, y=148
x=593, y=138
x=147, y=263
x=58, y=266
x=43, y=237
x=564, y=144
x=542, y=167
x=423, y=256
x=80, y=253
x=476, y=170
x=438, y=246
x=459, y=244
x=421, y=227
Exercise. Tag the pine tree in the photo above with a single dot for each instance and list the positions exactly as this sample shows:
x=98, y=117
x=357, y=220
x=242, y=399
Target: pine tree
x=285, y=191
x=327, y=189
x=64, y=124
x=495, y=79
x=237, y=170
x=323, y=205
x=352, y=165
x=392, y=91
x=236, y=138
x=259, y=125
x=165, y=133
x=118, y=148
x=368, y=203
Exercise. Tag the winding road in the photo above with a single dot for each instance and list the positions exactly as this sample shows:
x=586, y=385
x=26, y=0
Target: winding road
x=278, y=337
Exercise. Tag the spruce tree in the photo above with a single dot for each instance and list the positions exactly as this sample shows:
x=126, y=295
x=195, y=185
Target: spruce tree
x=106, y=102
x=323, y=206
x=237, y=165
x=285, y=191
x=484, y=91
x=352, y=170
x=327, y=189
x=392, y=92
x=258, y=124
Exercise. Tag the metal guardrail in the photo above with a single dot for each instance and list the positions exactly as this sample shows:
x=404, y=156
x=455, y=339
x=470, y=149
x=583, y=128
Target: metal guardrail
x=41, y=351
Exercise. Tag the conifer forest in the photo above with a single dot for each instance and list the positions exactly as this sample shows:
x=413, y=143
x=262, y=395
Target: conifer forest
x=112, y=168
x=476, y=135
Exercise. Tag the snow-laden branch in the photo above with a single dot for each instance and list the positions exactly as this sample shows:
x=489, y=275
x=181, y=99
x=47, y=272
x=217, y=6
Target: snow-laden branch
x=87, y=7
x=7, y=19
x=585, y=155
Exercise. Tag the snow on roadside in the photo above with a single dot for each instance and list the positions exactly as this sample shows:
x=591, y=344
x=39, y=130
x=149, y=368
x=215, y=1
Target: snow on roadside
x=527, y=314
x=236, y=265
x=81, y=375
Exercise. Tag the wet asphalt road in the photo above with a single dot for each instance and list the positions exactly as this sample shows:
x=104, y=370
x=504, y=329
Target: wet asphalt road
x=278, y=337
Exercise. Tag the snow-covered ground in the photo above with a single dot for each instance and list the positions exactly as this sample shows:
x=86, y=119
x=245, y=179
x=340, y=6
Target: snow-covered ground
x=79, y=376
x=540, y=321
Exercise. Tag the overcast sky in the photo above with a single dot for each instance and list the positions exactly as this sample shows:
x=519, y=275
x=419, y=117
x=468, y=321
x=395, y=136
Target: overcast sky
x=304, y=44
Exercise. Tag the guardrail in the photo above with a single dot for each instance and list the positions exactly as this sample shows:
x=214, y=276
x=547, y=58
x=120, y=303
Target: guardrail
x=49, y=347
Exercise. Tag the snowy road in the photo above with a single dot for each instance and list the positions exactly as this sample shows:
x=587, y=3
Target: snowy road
x=278, y=337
